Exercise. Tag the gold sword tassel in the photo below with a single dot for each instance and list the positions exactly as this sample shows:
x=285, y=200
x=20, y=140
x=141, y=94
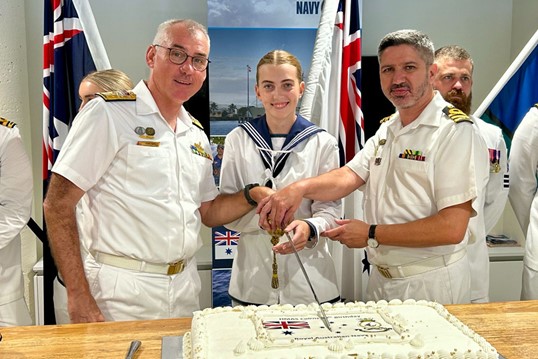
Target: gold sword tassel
x=275, y=238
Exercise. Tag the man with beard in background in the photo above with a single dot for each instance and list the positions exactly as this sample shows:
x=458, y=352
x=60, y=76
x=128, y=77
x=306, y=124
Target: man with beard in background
x=454, y=80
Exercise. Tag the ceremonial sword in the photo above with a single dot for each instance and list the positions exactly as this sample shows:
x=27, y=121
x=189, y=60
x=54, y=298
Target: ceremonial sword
x=323, y=316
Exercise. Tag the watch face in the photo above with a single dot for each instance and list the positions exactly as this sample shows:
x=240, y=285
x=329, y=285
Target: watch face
x=372, y=243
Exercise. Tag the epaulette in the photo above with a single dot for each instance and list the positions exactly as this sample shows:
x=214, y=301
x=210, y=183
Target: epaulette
x=9, y=124
x=456, y=115
x=117, y=95
x=536, y=105
x=196, y=123
x=385, y=119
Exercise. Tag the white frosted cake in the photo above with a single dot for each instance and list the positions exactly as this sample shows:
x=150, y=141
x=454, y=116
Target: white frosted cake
x=412, y=329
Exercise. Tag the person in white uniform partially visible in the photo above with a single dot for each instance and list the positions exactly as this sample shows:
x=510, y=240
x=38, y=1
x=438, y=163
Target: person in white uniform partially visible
x=145, y=164
x=274, y=150
x=524, y=196
x=90, y=86
x=420, y=174
x=454, y=81
x=16, y=186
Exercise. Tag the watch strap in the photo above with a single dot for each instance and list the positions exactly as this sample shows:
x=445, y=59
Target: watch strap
x=246, y=193
x=371, y=231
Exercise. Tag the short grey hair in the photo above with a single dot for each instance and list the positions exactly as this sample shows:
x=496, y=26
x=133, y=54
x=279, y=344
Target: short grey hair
x=192, y=26
x=420, y=41
x=454, y=52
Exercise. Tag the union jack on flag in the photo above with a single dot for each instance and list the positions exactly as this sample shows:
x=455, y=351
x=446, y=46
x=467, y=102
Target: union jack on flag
x=72, y=48
x=286, y=324
x=352, y=130
x=228, y=238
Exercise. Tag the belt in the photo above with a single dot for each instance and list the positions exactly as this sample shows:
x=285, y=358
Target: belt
x=138, y=265
x=422, y=266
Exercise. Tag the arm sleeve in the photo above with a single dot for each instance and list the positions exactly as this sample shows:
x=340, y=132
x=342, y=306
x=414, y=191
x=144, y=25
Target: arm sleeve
x=16, y=186
x=523, y=168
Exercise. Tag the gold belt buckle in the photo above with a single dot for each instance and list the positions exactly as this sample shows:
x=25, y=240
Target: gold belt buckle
x=384, y=272
x=175, y=268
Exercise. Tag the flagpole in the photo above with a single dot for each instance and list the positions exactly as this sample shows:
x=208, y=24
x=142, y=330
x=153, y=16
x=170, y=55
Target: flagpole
x=520, y=59
x=248, y=100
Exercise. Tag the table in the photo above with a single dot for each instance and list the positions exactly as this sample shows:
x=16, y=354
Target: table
x=511, y=327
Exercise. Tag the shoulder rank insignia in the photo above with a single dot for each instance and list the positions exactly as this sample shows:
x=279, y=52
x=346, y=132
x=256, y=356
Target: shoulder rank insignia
x=385, y=119
x=195, y=122
x=9, y=124
x=118, y=96
x=536, y=105
x=456, y=115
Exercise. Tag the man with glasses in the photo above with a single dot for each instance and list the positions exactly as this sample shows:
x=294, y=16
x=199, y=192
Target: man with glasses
x=145, y=164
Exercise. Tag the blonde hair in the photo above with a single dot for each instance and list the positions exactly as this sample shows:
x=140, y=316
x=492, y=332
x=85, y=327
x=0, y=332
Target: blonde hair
x=110, y=80
x=280, y=57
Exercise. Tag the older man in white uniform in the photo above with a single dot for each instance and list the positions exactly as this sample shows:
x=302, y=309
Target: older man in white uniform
x=454, y=80
x=524, y=196
x=16, y=186
x=420, y=173
x=146, y=168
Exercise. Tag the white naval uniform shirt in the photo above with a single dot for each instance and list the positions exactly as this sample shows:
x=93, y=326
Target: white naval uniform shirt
x=523, y=183
x=443, y=173
x=16, y=186
x=494, y=197
x=252, y=266
x=142, y=201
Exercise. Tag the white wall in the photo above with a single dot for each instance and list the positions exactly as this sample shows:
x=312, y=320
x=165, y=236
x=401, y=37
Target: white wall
x=494, y=31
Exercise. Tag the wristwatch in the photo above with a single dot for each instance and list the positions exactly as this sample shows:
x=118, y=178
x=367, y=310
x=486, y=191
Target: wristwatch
x=246, y=192
x=372, y=242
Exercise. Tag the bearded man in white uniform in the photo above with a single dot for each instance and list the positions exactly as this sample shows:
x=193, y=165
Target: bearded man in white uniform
x=524, y=196
x=145, y=164
x=420, y=174
x=16, y=186
x=454, y=81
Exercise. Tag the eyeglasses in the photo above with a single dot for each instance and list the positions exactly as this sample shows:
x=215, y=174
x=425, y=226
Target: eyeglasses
x=178, y=57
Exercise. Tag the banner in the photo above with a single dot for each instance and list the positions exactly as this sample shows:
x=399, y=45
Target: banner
x=515, y=93
x=241, y=33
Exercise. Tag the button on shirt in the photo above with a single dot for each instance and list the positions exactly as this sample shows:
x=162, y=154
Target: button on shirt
x=142, y=200
x=413, y=172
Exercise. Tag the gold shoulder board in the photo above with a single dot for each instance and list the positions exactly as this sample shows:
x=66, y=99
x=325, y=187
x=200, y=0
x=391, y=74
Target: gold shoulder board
x=196, y=123
x=456, y=115
x=536, y=105
x=118, y=96
x=385, y=119
x=7, y=123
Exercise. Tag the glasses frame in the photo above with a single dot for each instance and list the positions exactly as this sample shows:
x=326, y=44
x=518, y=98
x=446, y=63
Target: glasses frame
x=186, y=57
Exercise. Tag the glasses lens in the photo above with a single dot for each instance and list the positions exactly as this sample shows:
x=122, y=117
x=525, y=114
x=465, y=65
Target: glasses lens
x=199, y=63
x=177, y=56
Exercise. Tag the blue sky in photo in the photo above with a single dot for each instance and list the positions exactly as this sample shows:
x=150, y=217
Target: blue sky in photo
x=263, y=13
x=232, y=49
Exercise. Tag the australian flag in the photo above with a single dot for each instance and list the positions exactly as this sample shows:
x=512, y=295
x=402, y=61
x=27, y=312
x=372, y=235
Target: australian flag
x=72, y=48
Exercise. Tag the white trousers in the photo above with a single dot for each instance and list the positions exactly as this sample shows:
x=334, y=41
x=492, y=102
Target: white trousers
x=529, y=285
x=446, y=285
x=123, y=294
x=15, y=314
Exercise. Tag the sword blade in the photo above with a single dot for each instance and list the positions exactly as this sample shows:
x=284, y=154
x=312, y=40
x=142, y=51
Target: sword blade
x=323, y=316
